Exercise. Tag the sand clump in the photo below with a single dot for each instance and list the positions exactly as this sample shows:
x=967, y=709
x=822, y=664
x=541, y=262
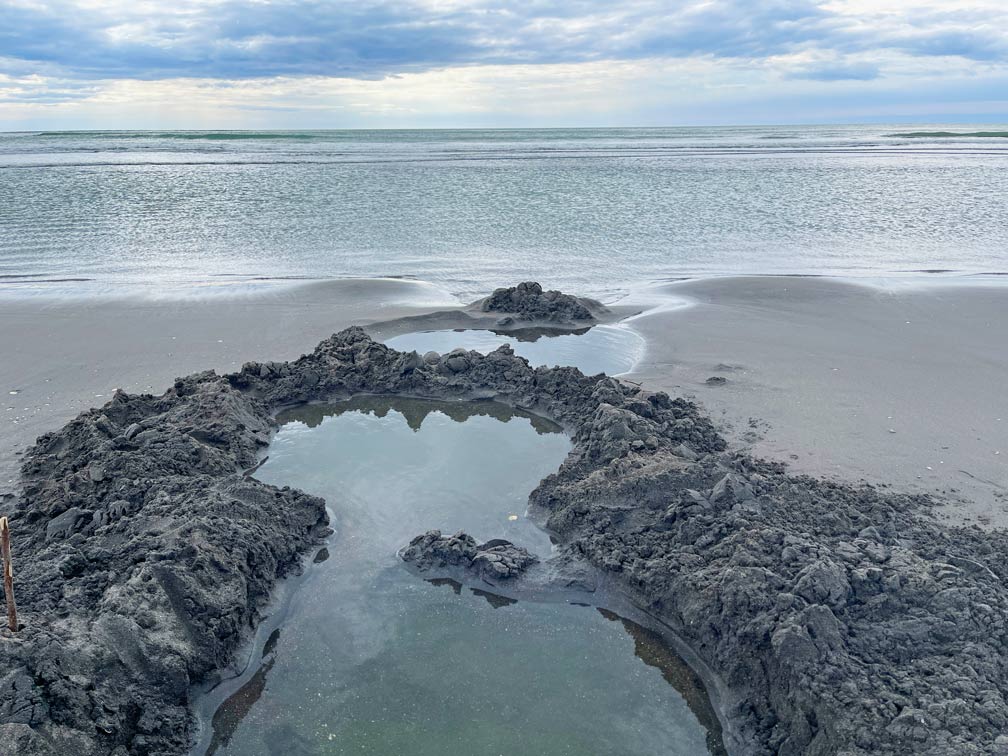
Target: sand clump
x=528, y=302
x=497, y=559
x=845, y=619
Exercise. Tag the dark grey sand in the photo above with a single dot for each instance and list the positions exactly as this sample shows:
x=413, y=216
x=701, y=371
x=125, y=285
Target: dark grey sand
x=63, y=357
x=906, y=386
x=841, y=619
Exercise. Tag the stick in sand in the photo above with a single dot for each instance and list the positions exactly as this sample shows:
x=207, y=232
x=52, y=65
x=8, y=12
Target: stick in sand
x=12, y=621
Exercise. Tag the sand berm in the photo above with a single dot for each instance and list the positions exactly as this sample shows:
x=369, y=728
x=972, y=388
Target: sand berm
x=845, y=620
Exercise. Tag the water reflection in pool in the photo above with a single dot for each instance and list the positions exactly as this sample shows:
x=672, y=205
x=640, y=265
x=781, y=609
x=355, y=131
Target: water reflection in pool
x=374, y=660
x=603, y=349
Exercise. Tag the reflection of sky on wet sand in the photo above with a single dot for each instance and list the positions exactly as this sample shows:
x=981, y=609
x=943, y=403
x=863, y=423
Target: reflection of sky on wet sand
x=602, y=349
x=373, y=659
x=415, y=411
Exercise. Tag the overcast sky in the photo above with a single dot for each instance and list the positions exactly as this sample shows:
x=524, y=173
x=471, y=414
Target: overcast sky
x=442, y=63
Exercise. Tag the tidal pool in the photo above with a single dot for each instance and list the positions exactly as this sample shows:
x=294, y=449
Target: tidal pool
x=603, y=349
x=369, y=658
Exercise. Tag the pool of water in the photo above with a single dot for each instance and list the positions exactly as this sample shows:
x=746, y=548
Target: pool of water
x=369, y=658
x=603, y=349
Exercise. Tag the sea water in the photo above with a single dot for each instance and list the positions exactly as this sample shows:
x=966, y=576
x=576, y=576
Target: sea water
x=370, y=658
x=585, y=210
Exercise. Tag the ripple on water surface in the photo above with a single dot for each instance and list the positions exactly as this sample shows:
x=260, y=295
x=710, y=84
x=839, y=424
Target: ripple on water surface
x=603, y=349
x=370, y=658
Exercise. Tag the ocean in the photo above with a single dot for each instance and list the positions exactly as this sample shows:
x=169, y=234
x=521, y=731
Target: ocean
x=588, y=210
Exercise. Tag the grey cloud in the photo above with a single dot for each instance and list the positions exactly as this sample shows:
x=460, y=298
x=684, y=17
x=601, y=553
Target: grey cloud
x=373, y=38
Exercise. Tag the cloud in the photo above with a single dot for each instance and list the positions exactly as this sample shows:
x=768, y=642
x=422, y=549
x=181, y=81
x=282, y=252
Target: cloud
x=384, y=62
x=39, y=90
x=376, y=38
x=837, y=72
x=625, y=93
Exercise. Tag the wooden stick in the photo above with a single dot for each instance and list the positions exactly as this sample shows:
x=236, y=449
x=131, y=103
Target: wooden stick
x=8, y=567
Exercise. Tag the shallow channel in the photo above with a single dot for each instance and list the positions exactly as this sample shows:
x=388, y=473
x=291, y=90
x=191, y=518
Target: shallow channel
x=609, y=349
x=370, y=659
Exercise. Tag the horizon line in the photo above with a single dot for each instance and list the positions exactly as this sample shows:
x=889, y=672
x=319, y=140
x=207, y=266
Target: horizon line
x=507, y=128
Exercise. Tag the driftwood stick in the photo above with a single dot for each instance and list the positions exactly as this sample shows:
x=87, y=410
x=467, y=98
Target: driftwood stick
x=8, y=568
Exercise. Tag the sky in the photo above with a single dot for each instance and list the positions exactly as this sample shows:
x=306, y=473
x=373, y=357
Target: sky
x=108, y=64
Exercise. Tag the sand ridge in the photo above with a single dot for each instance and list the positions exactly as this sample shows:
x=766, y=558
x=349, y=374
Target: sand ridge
x=844, y=618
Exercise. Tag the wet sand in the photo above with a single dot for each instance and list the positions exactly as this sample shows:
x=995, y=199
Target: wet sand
x=849, y=586
x=63, y=357
x=904, y=385
x=818, y=372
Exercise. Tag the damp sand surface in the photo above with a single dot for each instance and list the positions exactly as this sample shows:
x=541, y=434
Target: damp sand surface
x=894, y=383
x=65, y=355
x=603, y=349
x=371, y=658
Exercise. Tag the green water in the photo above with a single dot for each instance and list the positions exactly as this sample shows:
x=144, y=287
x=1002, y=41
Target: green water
x=371, y=659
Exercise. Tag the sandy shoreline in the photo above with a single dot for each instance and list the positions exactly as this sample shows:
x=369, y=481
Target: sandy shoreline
x=825, y=368
x=65, y=357
x=828, y=369
x=841, y=617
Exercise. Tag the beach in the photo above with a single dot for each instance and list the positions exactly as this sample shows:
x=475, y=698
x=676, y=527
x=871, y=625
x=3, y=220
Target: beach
x=792, y=598
x=606, y=379
x=826, y=375
x=65, y=356
x=899, y=383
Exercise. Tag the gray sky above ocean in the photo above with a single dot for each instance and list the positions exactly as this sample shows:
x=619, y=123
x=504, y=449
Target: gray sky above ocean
x=286, y=64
